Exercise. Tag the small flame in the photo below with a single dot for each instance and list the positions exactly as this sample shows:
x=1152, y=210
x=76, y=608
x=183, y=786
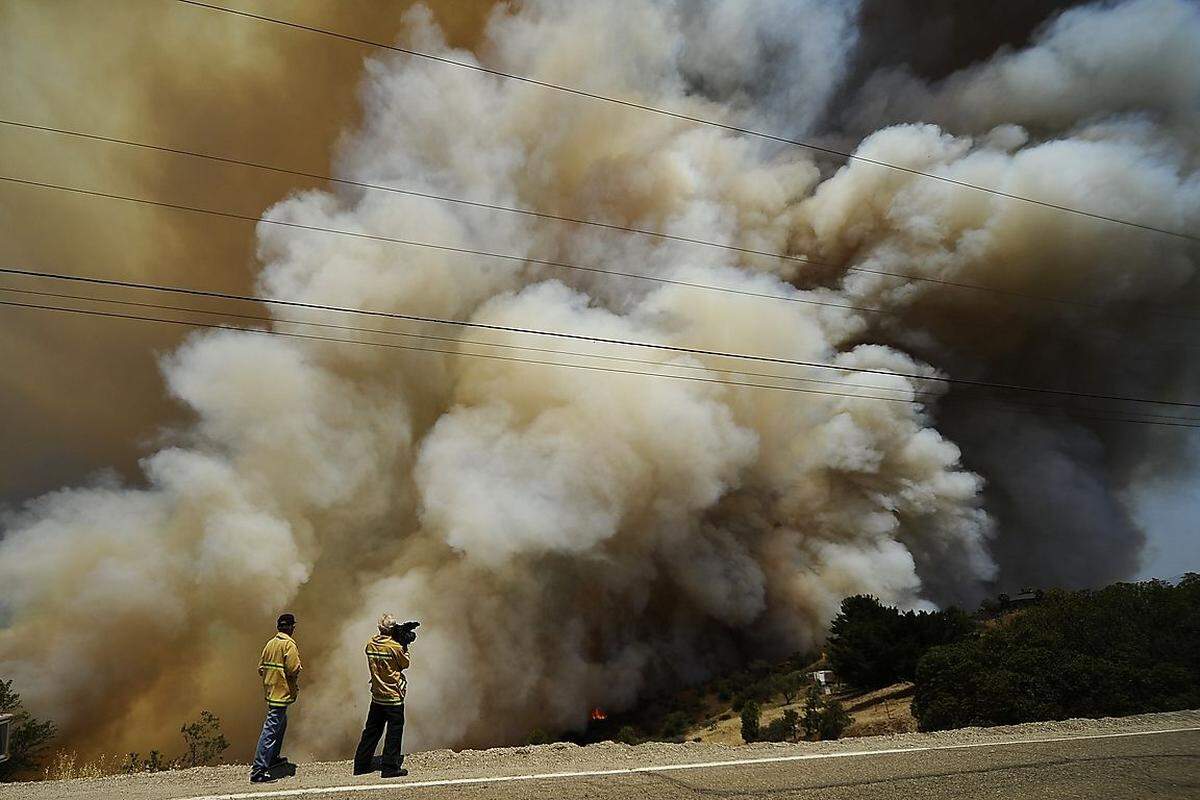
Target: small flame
x=598, y=715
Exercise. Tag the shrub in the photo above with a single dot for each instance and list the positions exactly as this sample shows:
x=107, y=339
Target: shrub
x=782, y=729
x=750, y=718
x=675, y=725
x=539, y=736
x=29, y=737
x=152, y=763
x=627, y=735
x=203, y=741
x=833, y=720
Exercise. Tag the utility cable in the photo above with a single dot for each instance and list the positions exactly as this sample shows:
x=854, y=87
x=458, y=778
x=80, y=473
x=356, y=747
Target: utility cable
x=270, y=332
x=824, y=149
x=580, y=221
x=273, y=320
x=594, y=339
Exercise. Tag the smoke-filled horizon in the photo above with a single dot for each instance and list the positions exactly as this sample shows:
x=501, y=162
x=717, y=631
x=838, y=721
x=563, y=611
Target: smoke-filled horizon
x=572, y=539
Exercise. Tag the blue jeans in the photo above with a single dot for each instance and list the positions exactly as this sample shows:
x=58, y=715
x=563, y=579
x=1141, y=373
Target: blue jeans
x=270, y=743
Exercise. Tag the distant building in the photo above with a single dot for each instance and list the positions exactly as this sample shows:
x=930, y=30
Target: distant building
x=823, y=679
x=1025, y=597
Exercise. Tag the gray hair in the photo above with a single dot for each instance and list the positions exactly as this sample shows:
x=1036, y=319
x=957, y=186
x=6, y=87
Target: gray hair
x=386, y=622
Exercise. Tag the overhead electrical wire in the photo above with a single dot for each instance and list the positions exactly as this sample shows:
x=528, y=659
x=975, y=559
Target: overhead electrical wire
x=579, y=221
x=273, y=320
x=490, y=254
x=271, y=332
x=414, y=243
x=980, y=384
x=459, y=341
x=824, y=149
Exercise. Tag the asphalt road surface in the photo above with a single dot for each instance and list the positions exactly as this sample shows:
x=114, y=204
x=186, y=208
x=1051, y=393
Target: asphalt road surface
x=1155, y=756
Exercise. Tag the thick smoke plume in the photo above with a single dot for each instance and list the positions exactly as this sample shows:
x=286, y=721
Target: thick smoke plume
x=573, y=538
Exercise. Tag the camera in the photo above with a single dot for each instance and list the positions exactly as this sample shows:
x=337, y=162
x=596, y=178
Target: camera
x=405, y=633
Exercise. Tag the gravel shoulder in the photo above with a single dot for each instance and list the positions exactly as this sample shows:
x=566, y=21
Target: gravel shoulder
x=561, y=757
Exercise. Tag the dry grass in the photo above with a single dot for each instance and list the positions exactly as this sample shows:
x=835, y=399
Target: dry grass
x=66, y=764
x=887, y=710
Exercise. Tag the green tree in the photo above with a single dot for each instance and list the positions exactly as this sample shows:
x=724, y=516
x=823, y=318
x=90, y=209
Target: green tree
x=833, y=720
x=811, y=721
x=1125, y=649
x=790, y=685
x=782, y=729
x=29, y=737
x=872, y=645
x=750, y=719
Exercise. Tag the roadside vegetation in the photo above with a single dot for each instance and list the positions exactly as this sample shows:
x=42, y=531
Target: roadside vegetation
x=34, y=756
x=1126, y=649
x=1130, y=648
x=29, y=738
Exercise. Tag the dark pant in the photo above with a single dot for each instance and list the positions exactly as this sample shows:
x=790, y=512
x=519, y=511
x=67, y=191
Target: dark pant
x=379, y=716
x=270, y=742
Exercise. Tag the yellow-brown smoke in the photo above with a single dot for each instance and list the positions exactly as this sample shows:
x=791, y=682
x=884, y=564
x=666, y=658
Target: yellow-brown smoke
x=573, y=539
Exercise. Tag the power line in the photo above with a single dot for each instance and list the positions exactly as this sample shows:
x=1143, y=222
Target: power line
x=687, y=118
x=429, y=196
x=551, y=364
x=522, y=259
x=593, y=339
x=866, y=309
x=413, y=243
x=190, y=323
x=458, y=341
x=273, y=320
x=575, y=221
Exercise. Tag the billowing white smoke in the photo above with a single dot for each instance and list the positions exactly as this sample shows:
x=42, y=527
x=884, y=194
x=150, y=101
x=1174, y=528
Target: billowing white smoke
x=572, y=538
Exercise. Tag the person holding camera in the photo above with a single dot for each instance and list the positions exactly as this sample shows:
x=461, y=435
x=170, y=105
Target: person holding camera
x=387, y=658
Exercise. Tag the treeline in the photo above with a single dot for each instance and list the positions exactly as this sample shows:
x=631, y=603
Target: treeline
x=872, y=645
x=1127, y=649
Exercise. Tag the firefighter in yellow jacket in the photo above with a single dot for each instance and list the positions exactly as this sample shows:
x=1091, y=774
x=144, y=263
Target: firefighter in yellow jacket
x=279, y=667
x=387, y=658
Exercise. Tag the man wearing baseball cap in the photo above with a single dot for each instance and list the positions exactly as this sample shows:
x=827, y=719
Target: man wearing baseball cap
x=280, y=671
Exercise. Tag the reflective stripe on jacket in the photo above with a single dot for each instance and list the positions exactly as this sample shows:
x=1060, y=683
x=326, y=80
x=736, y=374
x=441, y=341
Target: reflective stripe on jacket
x=387, y=659
x=280, y=670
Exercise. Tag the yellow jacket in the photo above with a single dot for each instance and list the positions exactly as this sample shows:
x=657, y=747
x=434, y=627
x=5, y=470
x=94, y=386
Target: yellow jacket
x=280, y=671
x=387, y=659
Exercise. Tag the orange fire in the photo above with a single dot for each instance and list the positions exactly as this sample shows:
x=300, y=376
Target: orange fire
x=598, y=715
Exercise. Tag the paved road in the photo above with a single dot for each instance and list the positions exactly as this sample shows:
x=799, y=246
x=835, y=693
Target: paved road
x=1109, y=761
x=1162, y=766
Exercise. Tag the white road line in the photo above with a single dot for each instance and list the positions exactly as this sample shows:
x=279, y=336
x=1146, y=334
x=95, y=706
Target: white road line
x=400, y=786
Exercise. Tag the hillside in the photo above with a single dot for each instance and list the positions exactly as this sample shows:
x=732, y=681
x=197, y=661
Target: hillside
x=711, y=712
x=883, y=711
